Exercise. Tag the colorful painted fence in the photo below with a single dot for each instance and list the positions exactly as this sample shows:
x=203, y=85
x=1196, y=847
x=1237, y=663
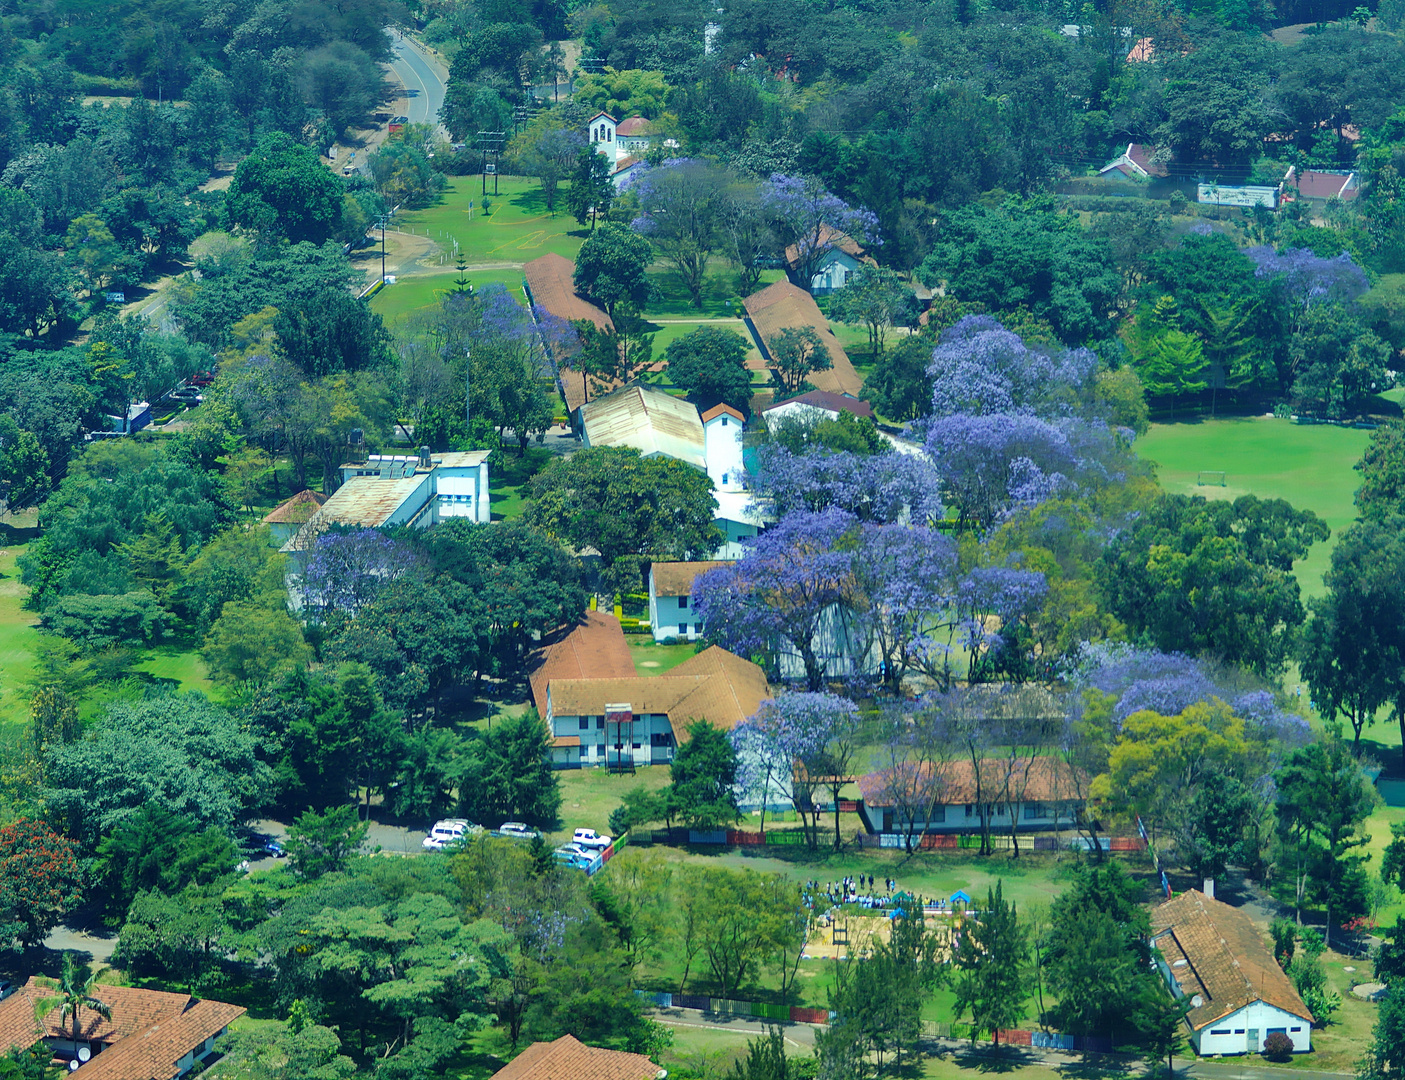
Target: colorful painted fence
x=723, y=1006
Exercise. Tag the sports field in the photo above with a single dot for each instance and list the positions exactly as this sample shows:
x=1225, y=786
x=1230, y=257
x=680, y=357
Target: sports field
x=1310, y=466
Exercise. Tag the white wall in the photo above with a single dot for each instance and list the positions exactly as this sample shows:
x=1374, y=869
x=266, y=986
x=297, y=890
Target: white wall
x=834, y=271
x=1260, y=1018
x=592, y=750
x=462, y=492
x=835, y=646
x=722, y=449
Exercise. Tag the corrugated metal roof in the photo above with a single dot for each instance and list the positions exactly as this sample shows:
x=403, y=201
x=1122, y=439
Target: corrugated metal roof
x=650, y=421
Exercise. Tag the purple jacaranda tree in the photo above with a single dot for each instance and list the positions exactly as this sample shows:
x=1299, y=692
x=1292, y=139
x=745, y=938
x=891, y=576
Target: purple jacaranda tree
x=794, y=745
x=984, y=602
x=681, y=200
x=879, y=487
x=784, y=593
x=1306, y=280
x=346, y=571
x=992, y=465
x=979, y=368
x=812, y=222
x=1168, y=683
x=904, y=584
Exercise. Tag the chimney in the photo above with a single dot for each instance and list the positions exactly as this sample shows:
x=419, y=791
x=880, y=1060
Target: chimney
x=1209, y=889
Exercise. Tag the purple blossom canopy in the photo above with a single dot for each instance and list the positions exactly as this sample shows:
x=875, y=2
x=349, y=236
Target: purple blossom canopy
x=1308, y=279
x=781, y=588
x=979, y=368
x=1169, y=683
x=792, y=727
x=348, y=570
x=992, y=465
x=882, y=488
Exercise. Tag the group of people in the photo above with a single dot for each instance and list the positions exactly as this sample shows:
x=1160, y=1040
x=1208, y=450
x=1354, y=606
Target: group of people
x=861, y=890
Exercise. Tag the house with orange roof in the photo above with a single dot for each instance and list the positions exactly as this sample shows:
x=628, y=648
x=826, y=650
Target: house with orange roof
x=1214, y=955
x=150, y=1034
x=567, y=1058
x=841, y=256
x=291, y=515
x=600, y=711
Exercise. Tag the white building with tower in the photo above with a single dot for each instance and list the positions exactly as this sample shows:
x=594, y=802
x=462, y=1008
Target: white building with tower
x=654, y=422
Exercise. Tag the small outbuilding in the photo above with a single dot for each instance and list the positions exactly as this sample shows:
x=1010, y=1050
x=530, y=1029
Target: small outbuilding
x=1213, y=954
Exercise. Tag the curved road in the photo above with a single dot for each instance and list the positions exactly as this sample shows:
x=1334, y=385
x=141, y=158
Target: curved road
x=424, y=78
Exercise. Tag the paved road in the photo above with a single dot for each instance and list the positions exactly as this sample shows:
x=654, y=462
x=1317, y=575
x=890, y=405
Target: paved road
x=424, y=78
x=801, y=1036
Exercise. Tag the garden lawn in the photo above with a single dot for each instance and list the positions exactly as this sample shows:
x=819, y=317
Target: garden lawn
x=671, y=300
x=18, y=635
x=516, y=229
x=1309, y=465
x=413, y=293
x=651, y=658
x=589, y=796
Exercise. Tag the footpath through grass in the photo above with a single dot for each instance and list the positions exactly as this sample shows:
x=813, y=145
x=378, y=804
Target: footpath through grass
x=1309, y=465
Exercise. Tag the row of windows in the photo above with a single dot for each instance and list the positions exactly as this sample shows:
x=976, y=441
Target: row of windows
x=1240, y=1031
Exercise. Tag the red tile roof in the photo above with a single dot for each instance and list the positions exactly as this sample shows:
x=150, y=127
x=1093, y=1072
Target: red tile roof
x=145, y=1027
x=782, y=304
x=635, y=125
x=823, y=399
x=718, y=410
x=1312, y=184
x=1217, y=954
x=297, y=510
x=569, y=1059
x=1040, y=779
x=676, y=578
x=831, y=237
x=155, y=1053
x=595, y=649
x=551, y=286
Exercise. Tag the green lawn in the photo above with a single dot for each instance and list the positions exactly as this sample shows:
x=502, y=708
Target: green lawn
x=17, y=633
x=1310, y=466
x=651, y=658
x=516, y=229
x=415, y=293
x=511, y=479
x=589, y=795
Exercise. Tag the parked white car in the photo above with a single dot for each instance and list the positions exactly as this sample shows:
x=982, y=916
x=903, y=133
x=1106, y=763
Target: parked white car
x=589, y=838
x=575, y=851
x=517, y=830
x=449, y=831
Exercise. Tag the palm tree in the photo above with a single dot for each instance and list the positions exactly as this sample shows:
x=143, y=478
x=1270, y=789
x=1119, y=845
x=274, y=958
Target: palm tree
x=73, y=991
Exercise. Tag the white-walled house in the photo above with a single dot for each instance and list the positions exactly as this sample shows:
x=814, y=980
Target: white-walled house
x=723, y=427
x=601, y=712
x=841, y=257
x=1213, y=954
x=671, y=614
x=416, y=491
x=1033, y=793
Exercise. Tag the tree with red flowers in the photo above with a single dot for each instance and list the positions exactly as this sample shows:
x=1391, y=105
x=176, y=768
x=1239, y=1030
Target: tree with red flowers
x=39, y=880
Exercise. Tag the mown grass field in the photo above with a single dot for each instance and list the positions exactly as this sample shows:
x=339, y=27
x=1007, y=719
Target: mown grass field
x=1310, y=466
x=516, y=228
x=17, y=626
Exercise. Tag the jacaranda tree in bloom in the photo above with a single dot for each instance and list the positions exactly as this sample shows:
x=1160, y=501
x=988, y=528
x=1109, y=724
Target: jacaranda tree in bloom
x=873, y=487
x=812, y=221
x=792, y=746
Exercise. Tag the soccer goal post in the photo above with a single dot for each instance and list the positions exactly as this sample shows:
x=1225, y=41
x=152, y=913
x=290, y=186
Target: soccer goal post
x=1210, y=477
